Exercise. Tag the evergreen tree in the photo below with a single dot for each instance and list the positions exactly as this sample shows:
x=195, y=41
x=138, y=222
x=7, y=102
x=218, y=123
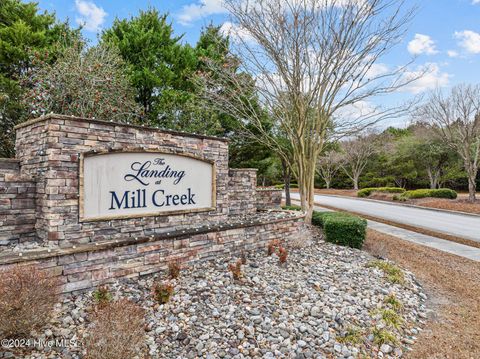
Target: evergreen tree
x=25, y=36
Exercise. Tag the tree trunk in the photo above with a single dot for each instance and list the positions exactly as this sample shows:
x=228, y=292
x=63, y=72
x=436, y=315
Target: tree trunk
x=355, y=182
x=472, y=185
x=327, y=184
x=287, y=177
x=433, y=176
x=306, y=186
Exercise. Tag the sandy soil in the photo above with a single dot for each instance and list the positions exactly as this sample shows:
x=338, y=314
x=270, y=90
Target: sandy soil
x=453, y=285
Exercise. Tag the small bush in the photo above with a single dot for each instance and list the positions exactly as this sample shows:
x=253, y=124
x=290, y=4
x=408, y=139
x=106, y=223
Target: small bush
x=282, y=255
x=27, y=300
x=393, y=273
x=353, y=335
x=174, y=269
x=102, y=295
x=243, y=257
x=434, y=193
x=292, y=208
x=394, y=303
x=162, y=292
x=390, y=317
x=318, y=218
x=342, y=228
x=365, y=192
x=236, y=269
x=383, y=336
x=117, y=332
x=272, y=245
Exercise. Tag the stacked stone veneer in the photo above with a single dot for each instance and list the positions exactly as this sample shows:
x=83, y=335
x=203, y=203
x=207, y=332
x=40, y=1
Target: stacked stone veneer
x=242, y=191
x=39, y=202
x=49, y=148
x=17, y=204
x=268, y=198
x=88, y=265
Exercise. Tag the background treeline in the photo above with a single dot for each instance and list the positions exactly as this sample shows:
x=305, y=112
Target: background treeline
x=141, y=72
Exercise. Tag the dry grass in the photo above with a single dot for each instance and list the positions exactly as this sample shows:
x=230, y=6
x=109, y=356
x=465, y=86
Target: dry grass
x=118, y=332
x=460, y=204
x=27, y=299
x=453, y=286
x=337, y=192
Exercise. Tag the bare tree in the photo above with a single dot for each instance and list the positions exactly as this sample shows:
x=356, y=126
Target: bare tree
x=328, y=166
x=456, y=117
x=355, y=156
x=315, y=65
x=86, y=82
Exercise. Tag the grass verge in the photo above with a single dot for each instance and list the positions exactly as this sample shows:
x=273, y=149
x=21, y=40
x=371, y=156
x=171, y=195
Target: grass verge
x=453, y=287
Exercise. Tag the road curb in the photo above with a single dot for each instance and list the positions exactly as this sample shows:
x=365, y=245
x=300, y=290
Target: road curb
x=404, y=204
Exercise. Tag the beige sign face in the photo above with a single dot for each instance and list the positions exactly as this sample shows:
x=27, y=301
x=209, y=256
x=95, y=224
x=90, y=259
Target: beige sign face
x=137, y=184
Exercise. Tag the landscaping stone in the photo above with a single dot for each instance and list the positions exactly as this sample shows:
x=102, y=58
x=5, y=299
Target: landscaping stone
x=301, y=309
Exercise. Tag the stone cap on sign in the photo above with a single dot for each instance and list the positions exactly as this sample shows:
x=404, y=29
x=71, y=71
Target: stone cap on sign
x=273, y=189
x=243, y=169
x=112, y=123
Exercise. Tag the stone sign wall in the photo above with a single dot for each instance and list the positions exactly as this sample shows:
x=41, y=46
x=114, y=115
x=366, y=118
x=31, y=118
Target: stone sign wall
x=92, y=201
x=50, y=148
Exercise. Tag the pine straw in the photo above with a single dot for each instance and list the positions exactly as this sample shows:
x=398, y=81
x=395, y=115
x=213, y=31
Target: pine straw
x=453, y=286
x=461, y=205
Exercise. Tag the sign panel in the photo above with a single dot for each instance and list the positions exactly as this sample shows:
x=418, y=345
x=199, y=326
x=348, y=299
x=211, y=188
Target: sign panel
x=137, y=184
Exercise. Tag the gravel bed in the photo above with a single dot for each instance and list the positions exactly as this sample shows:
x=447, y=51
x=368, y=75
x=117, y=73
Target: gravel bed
x=306, y=308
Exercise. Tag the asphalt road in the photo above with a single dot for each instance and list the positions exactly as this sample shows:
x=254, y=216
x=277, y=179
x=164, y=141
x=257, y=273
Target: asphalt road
x=443, y=222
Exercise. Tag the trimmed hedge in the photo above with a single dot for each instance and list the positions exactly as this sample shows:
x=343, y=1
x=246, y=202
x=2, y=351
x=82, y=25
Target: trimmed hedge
x=365, y=192
x=341, y=228
x=292, y=208
x=435, y=193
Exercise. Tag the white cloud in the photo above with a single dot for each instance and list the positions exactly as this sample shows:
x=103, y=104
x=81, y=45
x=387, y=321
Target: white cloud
x=377, y=70
x=469, y=40
x=432, y=77
x=422, y=44
x=474, y=2
x=236, y=33
x=453, y=53
x=192, y=12
x=91, y=16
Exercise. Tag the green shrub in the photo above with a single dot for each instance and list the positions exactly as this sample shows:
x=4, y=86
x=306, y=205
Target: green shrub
x=339, y=227
x=365, y=192
x=318, y=218
x=435, y=193
x=346, y=231
x=292, y=208
x=279, y=186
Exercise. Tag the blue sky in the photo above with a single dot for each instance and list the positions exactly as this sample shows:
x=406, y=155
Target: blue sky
x=444, y=36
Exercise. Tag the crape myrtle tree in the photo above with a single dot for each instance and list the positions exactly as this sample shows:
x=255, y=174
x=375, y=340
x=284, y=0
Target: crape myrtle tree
x=26, y=35
x=311, y=60
x=356, y=152
x=85, y=82
x=328, y=165
x=456, y=118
